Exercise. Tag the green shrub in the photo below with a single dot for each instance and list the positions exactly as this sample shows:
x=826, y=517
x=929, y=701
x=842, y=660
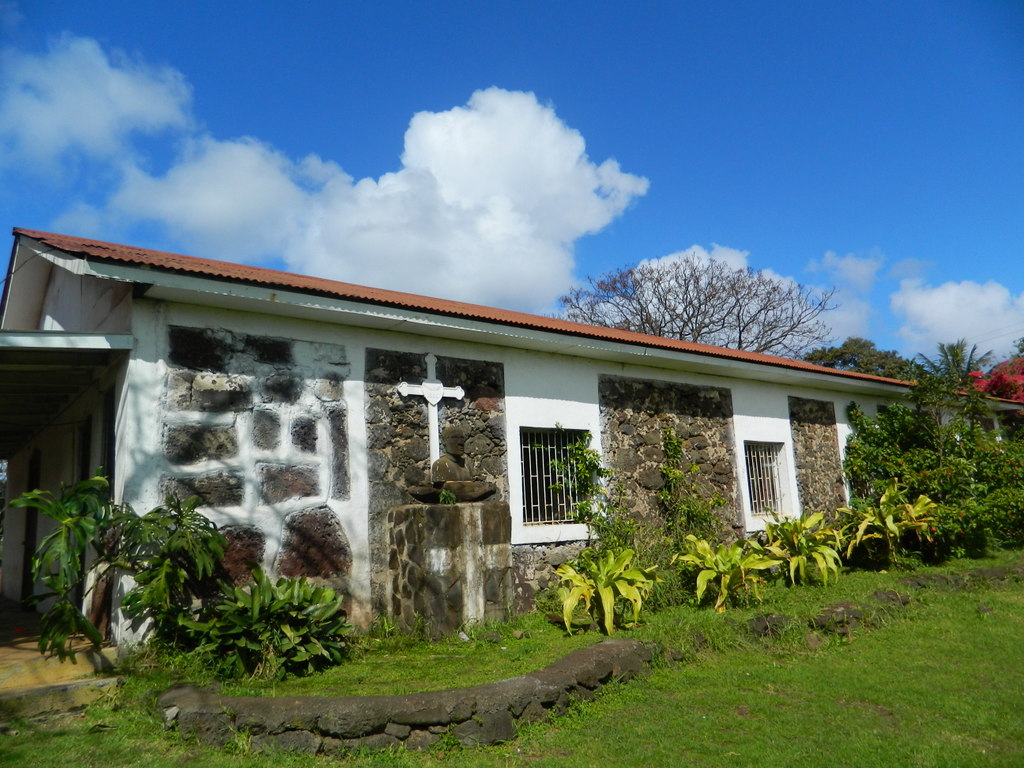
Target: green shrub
x=270, y=630
x=82, y=513
x=608, y=576
x=885, y=530
x=174, y=554
x=1003, y=516
x=936, y=448
x=803, y=541
x=732, y=569
x=960, y=531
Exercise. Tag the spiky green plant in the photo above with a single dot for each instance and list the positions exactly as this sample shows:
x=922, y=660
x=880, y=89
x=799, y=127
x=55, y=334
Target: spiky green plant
x=732, y=568
x=805, y=541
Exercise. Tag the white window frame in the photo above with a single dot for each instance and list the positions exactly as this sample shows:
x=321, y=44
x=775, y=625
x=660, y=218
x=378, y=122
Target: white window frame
x=762, y=464
x=540, y=419
x=548, y=497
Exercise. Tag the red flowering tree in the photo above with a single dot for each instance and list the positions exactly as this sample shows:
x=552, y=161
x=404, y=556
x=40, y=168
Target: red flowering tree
x=1005, y=380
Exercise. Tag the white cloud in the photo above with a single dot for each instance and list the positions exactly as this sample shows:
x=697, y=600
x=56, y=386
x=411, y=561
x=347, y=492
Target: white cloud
x=76, y=98
x=854, y=277
x=850, y=272
x=909, y=269
x=235, y=200
x=986, y=314
x=486, y=205
x=851, y=317
x=731, y=256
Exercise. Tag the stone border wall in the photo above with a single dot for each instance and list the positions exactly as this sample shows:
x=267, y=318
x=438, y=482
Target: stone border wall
x=483, y=714
x=633, y=414
x=819, y=469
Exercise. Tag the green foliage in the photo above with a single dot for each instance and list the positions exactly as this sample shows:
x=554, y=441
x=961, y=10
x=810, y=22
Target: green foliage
x=598, y=499
x=576, y=586
x=954, y=363
x=174, y=553
x=608, y=575
x=862, y=356
x=447, y=497
x=1002, y=516
x=82, y=512
x=731, y=568
x=936, y=447
x=941, y=460
x=885, y=529
x=685, y=511
x=959, y=532
x=269, y=630
x=800, y=542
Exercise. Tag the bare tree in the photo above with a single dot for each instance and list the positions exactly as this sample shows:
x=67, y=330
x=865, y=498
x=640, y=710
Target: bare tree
x=707, y=301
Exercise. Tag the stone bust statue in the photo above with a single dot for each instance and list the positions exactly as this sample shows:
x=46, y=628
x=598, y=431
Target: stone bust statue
x=452, y=465
x=452, y=473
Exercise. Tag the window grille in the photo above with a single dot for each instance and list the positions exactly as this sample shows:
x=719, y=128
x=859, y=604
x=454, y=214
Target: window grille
x=548, y=496
x=763, y=477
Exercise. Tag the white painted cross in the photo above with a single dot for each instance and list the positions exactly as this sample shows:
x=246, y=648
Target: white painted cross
x=433, y=391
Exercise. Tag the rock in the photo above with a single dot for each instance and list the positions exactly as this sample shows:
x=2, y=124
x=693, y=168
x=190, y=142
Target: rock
x=771, y=625
x=891, y=597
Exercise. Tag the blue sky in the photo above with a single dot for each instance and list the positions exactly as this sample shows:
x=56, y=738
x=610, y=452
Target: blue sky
x=498, y=152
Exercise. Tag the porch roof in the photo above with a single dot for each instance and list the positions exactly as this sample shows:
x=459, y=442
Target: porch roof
x=42, y=372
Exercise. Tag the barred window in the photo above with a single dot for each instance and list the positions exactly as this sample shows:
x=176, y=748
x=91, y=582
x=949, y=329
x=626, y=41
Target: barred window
x=763, y=477
x=548, y=496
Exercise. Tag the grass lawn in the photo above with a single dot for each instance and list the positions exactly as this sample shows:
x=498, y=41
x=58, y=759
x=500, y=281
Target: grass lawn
x=939, y=684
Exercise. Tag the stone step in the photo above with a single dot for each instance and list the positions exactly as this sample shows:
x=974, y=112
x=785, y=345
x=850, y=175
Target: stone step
x=42, y=700
x=22, y=666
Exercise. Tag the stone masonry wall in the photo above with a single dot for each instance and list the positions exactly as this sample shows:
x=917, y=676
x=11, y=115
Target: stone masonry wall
x=450, y=564
x=481, y=413
x=533, y=567
x=256, y=427
x=819, y=469
x=399, y=444
x=398, y=450
x=634, y=412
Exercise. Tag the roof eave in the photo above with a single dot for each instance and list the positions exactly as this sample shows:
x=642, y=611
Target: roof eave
x=199, y=276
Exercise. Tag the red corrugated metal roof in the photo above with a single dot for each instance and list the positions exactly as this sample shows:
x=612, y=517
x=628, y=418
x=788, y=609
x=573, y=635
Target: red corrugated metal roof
x=223, y=270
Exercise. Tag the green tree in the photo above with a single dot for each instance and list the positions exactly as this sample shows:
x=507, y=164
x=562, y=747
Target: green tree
x=862, y=356
x=955, y=363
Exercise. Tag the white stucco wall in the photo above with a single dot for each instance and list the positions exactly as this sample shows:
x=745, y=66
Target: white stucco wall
x=82, y=303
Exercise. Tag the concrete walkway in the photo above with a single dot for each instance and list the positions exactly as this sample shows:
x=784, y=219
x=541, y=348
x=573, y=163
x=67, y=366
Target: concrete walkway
x=31, y=684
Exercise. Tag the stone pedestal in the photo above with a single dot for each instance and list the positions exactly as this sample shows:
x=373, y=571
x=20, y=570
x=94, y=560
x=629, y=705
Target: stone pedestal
x=450, y=563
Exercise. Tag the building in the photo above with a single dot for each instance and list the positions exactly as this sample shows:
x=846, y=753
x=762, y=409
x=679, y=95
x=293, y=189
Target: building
x=275, y=397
